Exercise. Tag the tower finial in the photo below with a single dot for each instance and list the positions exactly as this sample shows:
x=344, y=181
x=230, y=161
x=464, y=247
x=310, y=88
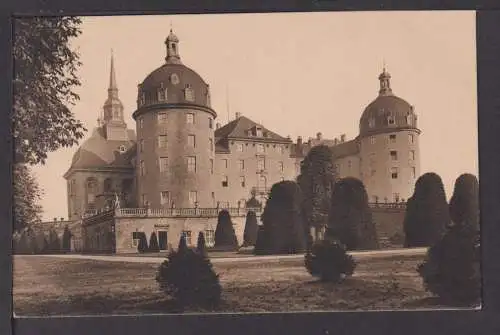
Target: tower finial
x=113, y=88
x=172, y=44
x=385, y=82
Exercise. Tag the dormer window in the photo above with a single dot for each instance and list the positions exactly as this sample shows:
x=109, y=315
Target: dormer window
x=122, y=148
x=390, y=120
x=371, y=122
x=409, y=119
x=258, y=132
x=162, y=93
x=188, y=93
x=142, y=100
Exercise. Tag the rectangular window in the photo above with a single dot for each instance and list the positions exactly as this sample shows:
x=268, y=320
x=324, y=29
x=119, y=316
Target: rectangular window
x=190, y=118
x=141, y=146
x=372, y=140
x=211, y=144
x=187, y=236
x=143, y=168
x=224, y=163
x=260, y=148
x=211, y=166
x=210, y=238
x=90, y=198
x=192, y=141
x=141, y=123
x=144, y=199
x=411, y=139
x=395, y=197
x=390, y=120
x=210, y=123
x=349, y=164
x=239, y=147
x=412, y=155
x=162, y=118
x=162, y=141
x=413, y=172
x=371, y=122
x=163, y=162
x=193, y=198
x=225, y=181
x=392, y=138
x=241, y=165
x=394, y=155
x=281, y=167
x=261, y=164
x=164, y=197
x=242, y=181
x=258, y=132
x=191, y=164
x=394, y=173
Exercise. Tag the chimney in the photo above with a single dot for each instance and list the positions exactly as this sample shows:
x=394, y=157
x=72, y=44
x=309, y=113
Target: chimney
x=299, y=141
x=319, y=136
x=217, y=125
x=342, y=138
x=55, y=219
x=238, y=115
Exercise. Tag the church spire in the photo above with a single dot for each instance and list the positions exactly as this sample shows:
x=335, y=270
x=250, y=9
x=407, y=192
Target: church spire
x=385, y=82
x=113, y=88
x=172, y=44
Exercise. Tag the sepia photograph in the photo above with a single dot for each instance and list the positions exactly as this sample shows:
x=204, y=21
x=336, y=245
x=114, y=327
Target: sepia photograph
x=245, y=163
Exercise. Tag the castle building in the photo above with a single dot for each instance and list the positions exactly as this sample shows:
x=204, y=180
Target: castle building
x=183, y=158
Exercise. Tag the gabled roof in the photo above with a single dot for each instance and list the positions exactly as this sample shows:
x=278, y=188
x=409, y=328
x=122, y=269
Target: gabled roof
x=240, y=127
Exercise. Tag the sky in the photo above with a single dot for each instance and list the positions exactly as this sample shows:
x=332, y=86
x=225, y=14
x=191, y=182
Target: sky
x=296, y=73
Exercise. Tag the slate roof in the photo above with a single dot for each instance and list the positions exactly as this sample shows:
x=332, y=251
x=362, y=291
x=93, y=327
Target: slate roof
x=239, y=128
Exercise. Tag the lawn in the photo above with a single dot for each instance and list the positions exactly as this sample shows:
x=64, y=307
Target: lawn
x=55, y=286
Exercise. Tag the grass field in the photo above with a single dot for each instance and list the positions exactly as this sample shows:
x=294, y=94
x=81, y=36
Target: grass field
x=54, y=286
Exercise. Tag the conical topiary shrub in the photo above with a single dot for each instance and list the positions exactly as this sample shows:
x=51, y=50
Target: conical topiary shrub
x=188, y=277
x=201, y=246
x=464, y=204
x=225, y=236
x=153, y=243
x=251, y=229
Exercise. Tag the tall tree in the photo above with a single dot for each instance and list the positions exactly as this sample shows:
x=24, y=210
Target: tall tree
x=427, y=214
x=27, y=194
x=45, y=75
x=282, y=220
x=350, y=218
x=316, y=180
x=464, y=204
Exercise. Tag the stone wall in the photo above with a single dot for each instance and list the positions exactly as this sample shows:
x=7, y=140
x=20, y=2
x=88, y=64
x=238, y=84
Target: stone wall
x=389, y=224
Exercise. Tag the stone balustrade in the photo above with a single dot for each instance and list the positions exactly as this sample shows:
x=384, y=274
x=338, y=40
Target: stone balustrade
x=182, y=212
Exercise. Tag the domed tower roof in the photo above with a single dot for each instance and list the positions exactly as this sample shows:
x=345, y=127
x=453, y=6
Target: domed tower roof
x=387, y=112
x=173, y=82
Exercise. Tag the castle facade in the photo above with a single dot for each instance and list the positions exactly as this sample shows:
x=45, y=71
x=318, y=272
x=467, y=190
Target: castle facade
x=180, y=156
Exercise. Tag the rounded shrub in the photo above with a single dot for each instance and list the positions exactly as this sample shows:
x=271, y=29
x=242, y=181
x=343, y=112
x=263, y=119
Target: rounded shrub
x=451, y=269
x=427, y=214
x=188, y=277
x=329, y=261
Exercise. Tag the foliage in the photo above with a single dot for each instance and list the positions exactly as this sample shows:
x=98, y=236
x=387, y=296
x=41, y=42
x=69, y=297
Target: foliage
x=261, y=242
x=27, y=194
x=329, y=261
x=54, y=243
x=201, y=246
x=45, y=74
x=142, y=246
x=427, y=213
x=451, y=270
x=316, y=180
x=282, y=220
x=188, y=277
x=251, y=229
x=225, y=236
x=464, y=204
x=350, y=219
x=153, y=243
x=66, y=240
x=253, y=202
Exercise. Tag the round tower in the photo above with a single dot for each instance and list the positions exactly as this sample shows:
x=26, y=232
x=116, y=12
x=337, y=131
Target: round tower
x=175, y=136
x=389, y=150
